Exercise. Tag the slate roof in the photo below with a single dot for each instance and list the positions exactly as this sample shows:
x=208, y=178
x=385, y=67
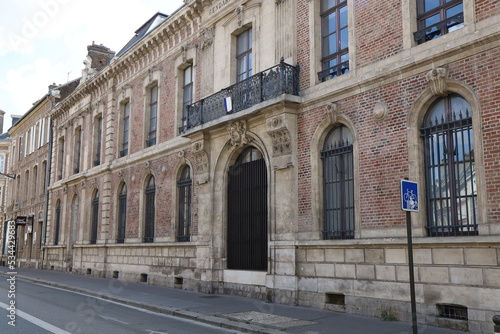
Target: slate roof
x=143, y=31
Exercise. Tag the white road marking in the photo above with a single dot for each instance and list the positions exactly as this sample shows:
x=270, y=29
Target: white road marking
x=114, y=319
x=36, y=321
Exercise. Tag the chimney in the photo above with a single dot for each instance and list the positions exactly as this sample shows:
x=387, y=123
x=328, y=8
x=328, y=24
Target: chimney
x=52, y=86
x=101, y=56
x=2, y=113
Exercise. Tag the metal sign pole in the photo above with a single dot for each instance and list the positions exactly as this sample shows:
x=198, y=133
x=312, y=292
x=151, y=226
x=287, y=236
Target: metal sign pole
x=412, y=275
x=409, y=203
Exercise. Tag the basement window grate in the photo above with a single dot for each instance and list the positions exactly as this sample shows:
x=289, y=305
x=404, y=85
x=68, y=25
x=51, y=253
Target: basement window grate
x=453, y=312
x=335, y=298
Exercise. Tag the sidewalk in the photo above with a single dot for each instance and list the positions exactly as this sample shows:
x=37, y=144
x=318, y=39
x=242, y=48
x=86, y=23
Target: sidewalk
x=244, y=314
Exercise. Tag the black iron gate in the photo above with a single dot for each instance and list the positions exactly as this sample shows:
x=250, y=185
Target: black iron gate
x=247, y=216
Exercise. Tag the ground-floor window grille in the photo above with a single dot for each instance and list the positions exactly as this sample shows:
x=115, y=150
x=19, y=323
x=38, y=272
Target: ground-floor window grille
x=450, y=169
x=338, y=185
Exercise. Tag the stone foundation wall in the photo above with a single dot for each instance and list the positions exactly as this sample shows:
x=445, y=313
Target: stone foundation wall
x=371, y=279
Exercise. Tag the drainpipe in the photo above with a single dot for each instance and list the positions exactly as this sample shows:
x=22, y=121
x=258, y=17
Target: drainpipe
x=47, y=183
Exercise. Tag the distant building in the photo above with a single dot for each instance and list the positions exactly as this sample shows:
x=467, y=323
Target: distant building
x=256, y=148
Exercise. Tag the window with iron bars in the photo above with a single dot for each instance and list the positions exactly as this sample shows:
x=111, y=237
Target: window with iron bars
x=450, y=168
x=338, y=185
x=184, y=186
x=149, y=219
x=122, y=214
x=95, y=218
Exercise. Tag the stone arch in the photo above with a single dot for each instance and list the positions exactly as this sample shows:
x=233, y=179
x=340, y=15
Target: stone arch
x=415, y=120
x=332, y=120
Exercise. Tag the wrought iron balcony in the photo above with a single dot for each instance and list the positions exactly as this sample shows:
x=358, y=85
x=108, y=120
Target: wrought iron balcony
x=271, y=83
x=438, y=29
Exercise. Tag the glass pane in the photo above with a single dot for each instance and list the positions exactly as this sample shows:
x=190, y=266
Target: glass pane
x=187, y=75
x=326, y=4
x=329, y=24
x=432, y=20
x=188, y=93
x=454, y=11
x=431, y=4
x=437, y=114
x=242, y=42
x=343, y=17
x=241, y=66
x=344, y=38
x=249, y=64
x=329, y=64
x=460, y=107
x=331, y=45
x=154, y=94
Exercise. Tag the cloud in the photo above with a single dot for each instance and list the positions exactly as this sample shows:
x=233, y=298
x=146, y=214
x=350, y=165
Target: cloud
x=28, y=84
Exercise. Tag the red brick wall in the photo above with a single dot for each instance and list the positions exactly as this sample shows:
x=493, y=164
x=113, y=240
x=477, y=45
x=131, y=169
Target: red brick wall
x=486, y=8
x=378, y=30
x=382, y=145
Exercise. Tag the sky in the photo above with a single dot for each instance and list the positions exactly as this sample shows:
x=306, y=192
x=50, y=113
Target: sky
x=45, y=41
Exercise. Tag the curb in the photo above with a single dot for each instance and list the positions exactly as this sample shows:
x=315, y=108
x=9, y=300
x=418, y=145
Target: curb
x=218, y=321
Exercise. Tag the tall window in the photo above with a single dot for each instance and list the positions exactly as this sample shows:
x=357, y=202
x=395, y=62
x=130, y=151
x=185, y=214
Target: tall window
x=184, y=186
x=44, y=176
x=438, y=17
x=77, y=150
x=153, y=114
x=187, y=93
x=57, y=223
x=26, y=185
x=2, y=163
x=125, y=129
x=149, y=219
x=244, y=55
x=338, y=184
x=122, y=214
x=97, y=141
x=35, y=180
x=60, y=162
x=450, y=169
x=21, y=148
x=334, y=39
x=95, y=218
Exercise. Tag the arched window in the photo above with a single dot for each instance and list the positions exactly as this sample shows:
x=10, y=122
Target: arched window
x=122, y=214
x=57, y=223
x=184, y=186
x=149, y=218
x=338, y=184
x=449, y=168
x=95, y=217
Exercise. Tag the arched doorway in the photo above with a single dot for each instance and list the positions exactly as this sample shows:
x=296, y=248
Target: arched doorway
x=247, y=212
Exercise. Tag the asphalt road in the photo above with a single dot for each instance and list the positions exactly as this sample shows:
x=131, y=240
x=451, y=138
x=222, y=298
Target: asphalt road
x=43, y=309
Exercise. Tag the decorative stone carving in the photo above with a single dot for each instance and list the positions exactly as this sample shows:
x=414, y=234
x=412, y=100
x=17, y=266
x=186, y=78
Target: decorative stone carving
x=279, y=2
x=380, y=111
x=332, y=111
x=207, y=37
x=437, y=81
x=282, y=143
x=239, y=13
x=201, y=165
x=237, y=131
x=280, y=136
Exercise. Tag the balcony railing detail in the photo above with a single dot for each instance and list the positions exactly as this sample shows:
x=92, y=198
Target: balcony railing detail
x=438, y=29
x=280, y=79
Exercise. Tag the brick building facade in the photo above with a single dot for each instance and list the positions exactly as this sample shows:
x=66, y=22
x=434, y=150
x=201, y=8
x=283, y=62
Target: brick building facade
x=257, y=148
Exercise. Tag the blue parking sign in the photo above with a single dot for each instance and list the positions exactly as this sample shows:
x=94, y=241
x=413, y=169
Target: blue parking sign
x=409, y=196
